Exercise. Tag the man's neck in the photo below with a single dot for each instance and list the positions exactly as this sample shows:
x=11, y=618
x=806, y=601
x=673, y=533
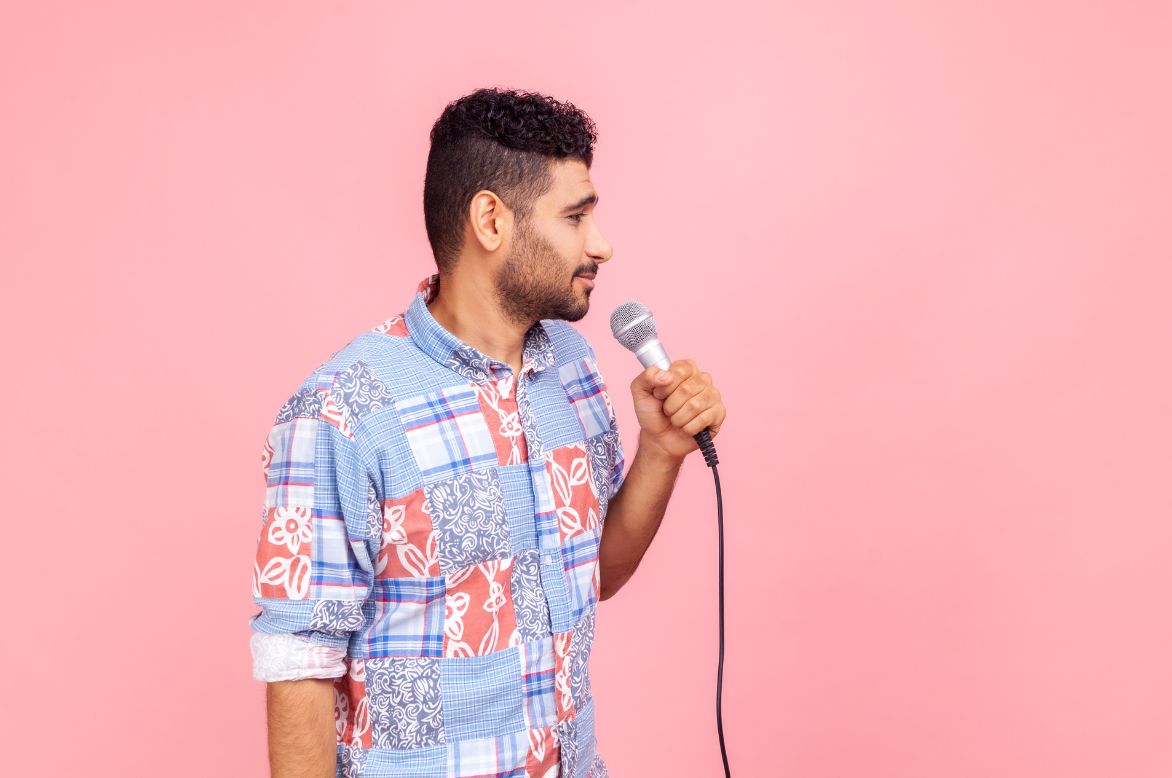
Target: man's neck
x=467, y=308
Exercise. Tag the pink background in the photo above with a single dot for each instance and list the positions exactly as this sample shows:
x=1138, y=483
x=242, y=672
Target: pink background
x=924, y=248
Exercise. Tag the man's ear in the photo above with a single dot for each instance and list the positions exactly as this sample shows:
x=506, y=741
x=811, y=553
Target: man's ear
x=490, y=219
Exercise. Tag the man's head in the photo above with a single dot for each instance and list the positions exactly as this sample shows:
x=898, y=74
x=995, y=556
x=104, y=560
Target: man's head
x=508, y=183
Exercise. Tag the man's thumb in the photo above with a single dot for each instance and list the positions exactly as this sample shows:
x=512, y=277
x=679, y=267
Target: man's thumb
x=649, y=380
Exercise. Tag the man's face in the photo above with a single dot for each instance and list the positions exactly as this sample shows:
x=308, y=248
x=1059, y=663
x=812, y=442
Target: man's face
x=549, y=270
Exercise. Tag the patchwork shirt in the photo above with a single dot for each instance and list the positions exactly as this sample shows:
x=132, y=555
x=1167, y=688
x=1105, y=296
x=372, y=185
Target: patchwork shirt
x=429, y=540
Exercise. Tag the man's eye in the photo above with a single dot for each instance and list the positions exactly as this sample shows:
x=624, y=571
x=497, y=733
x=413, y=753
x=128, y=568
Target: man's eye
x=576, y=217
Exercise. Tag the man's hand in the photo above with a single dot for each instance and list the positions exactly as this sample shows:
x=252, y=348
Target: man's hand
x=674, y=405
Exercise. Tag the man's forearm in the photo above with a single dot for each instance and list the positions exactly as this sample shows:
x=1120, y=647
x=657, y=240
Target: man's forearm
x=634, y=515
x=302, y=738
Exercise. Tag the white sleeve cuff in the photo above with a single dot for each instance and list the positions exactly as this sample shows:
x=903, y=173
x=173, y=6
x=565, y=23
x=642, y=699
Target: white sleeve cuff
x=286, y=657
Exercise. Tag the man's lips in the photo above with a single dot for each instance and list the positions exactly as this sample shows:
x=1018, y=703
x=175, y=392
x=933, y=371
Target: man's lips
x=587, y=277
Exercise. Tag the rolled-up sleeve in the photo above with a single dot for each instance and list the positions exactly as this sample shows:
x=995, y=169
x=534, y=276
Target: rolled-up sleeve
x=312, y=572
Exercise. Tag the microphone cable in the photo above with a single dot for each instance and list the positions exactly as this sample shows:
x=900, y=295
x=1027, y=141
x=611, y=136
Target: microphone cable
x=708, y=449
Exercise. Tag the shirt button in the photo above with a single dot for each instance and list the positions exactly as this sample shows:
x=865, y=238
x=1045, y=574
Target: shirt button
x=548, y=559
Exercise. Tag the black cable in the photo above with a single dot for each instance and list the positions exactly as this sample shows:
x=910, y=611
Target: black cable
x=704, y=439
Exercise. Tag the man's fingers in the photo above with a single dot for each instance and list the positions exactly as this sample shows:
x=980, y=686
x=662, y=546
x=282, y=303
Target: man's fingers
x=715, y=425
x=694, y=407
x=680, y=371
x=684, y=393
x=691, y=423
x=701, y=421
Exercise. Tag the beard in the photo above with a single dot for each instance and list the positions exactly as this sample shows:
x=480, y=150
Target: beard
x=533, y=284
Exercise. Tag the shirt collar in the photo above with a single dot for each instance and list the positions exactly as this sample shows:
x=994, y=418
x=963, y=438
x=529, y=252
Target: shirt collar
x=445, y=348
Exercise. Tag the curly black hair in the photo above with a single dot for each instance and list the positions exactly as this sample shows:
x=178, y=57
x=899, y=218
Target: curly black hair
x=501, y=140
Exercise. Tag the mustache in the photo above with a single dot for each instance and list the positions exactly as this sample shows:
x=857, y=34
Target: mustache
x=591, y=269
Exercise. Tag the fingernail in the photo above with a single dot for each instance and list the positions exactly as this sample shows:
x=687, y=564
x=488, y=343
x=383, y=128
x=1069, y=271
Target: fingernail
x=663, y=375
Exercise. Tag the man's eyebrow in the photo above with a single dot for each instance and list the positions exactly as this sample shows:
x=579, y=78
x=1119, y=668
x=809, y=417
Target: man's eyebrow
x=591, y=198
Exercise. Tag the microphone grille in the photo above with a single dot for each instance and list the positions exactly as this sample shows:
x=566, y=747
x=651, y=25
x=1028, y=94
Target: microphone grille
x=632, y=324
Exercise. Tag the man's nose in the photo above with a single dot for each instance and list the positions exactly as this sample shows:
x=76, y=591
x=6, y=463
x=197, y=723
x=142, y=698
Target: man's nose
x=600, y=249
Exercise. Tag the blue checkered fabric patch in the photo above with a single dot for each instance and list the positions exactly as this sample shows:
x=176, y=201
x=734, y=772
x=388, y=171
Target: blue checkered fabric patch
x=580, y=557
x=406, y=617
x=537, y=667
x=586, y=391
x=482, y=695
x=491, y=757
x=447, y=432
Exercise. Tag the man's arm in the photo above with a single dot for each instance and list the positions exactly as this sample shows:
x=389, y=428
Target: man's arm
x=302, y=739
x=672, y=406
x=310, y=578
x=633, y=517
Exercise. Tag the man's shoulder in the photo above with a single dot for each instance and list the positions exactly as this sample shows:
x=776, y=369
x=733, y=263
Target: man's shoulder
x=347, y=385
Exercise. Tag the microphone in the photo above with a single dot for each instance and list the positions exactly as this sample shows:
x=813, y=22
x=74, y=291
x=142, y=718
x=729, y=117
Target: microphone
x=634, y=327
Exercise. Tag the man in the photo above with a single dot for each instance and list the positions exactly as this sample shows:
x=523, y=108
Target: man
x=444, y=509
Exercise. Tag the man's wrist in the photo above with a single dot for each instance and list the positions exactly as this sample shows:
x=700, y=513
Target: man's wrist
x=656, y=458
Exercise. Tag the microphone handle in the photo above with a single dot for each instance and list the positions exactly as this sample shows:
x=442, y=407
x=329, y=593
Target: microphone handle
x=652, y=354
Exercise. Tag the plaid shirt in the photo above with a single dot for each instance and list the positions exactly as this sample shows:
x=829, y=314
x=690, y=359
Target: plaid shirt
x=430, y=541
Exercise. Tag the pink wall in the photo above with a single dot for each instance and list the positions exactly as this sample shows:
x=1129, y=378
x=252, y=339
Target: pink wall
x=924, y=247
